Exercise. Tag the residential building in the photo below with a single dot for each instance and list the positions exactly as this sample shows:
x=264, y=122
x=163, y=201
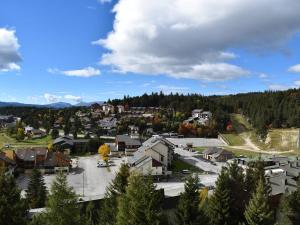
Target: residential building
x=108, y=109
x=134, y=131
x=120, y=109
x=31, y=157
x=70, y=144
x=108, y=123
x=127, y=144
x=154, y=157
x=217, y=154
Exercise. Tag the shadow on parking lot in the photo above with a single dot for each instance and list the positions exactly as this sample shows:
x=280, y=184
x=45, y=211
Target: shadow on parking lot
x=77, y=170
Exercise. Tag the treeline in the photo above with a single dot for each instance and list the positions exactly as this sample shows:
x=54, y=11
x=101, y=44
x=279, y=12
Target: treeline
x=264, y=109
x=131, y=199
x=271, y=108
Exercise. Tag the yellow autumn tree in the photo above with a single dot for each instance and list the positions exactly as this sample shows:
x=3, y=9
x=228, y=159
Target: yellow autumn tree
x=104, y=151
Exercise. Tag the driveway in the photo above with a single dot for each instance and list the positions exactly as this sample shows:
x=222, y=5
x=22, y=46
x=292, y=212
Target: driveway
x=193, y=158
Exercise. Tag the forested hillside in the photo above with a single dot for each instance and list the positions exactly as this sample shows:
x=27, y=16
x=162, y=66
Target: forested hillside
x=264, y=109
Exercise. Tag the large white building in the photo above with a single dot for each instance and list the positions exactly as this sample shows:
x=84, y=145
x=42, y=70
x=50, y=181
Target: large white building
x=154, y=157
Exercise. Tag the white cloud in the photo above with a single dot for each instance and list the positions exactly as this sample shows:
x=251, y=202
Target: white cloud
x=263, y=75
x=104, y=1
x=297, y=83
x=9, y=51
x=294, y=69
x=282, y=87
x=51, y=98
x=85, y=72
x=181, y=38
x=172, y=89
x=73, y=98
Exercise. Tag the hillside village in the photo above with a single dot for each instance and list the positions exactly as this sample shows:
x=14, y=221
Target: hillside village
x=140, y=138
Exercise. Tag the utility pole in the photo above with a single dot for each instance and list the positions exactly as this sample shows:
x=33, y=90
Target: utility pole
x=83, y=184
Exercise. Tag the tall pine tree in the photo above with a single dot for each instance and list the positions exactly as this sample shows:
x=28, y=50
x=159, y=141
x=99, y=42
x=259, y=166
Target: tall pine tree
x=220, y=202
x=108, y=211
x=13, y=208
x=141, y=204
x=258, y=211
x=291, y=206
x=62, y=207
x=36, y=192
x=188, y=209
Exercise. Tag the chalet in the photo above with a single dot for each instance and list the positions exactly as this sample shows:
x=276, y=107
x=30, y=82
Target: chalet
x=70, y=144
x=217, y=154
x=134, y=131
x=108, y=123
x=154, y=157
x=36, y=133
x=31, y=158
x=126, y=143
x=40, y=158
x=57, y=162
x=108, y=109
x=120, y=109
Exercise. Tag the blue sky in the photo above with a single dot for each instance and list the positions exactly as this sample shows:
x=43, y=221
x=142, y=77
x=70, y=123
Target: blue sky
x=88, y=50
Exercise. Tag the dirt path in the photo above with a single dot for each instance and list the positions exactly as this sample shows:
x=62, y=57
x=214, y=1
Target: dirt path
x=252, y=147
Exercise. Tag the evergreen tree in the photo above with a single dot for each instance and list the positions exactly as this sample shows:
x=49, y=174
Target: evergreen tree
x=291, y=206
x=92, y=217
x=54, y=133
x=36, y=193
x=258, y=211
x=188, y=209
x=141, y=204
x=237, y=193
x=13, y=208
x=62, y=207
x=115, y=189
x=220, y=202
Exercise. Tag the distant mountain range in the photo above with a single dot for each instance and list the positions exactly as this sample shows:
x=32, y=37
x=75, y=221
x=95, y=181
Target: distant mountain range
x=56, y=105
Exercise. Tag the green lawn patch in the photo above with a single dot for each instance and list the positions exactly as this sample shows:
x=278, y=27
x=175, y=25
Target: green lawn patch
x=233, y=139
x=178, y=165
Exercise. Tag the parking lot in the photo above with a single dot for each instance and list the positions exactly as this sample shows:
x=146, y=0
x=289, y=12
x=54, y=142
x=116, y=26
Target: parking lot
x=88, y=179
x=194, y=159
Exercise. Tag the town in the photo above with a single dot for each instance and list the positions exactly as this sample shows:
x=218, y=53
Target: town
x=138, y=112
x=91, y=145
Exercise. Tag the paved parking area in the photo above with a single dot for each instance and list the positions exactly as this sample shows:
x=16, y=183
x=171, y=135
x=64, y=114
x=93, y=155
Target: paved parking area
x=197, y=142
x=192, y=158
x=88, y=178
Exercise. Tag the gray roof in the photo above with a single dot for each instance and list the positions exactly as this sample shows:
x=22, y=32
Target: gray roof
x=128, y=140
x=31, y=153
x=212, y=150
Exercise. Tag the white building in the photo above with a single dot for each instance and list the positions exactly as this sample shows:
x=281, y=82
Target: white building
x=154, y=157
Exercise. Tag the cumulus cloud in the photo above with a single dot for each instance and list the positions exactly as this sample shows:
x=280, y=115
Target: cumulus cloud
x=73, y=98
x=51, y=98
x=9, y=51
x=282, y=87
x=294, y=69
x=104, y=1
x=85, y=72
x=190, y=38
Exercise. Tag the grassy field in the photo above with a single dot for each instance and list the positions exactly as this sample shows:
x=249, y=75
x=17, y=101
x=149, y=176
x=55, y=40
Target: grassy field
x=4, y=139
x=277, y=139
x=233, y=139
x=178, y=165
